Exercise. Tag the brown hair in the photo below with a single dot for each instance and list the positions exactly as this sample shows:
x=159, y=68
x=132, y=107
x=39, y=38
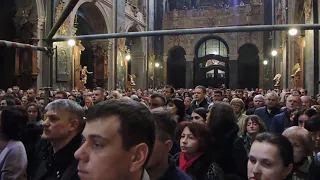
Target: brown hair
x=200, y=131
x=255, y=119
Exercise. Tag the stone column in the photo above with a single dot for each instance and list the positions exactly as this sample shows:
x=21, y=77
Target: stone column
x=309, y=60
x=165, y=59
x=119, y=44
x=110, y=72
x=233, y=71
x=150, y=46
x=137, y=68
x=189, y=71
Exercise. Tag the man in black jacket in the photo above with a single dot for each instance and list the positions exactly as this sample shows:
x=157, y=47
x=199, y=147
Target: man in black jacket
x=60, y=139
x=160, y=166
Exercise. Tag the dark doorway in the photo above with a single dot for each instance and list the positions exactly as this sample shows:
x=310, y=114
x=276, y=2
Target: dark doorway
x=248, y=66
x=211, y=65
x=176, y=67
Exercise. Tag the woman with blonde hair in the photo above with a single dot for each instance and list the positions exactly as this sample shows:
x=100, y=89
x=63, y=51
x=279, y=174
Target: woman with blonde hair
x=302, y=149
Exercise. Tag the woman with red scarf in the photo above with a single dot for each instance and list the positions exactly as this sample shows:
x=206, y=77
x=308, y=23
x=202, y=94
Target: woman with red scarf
x=195, y=157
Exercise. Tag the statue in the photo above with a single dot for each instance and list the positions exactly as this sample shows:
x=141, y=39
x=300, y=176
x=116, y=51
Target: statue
x=131, y=79
x=277, y=79
x=295, y=77
x=84, y=75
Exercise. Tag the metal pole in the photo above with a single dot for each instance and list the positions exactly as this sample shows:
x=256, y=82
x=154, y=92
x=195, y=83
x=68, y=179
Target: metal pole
x=66, y=12
x=255, y=28
x=10, y=44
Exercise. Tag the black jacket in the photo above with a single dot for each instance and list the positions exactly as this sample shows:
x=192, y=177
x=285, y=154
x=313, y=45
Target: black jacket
x=60, y=165
x=230, y=153
x=174, y=173
x=204, y=168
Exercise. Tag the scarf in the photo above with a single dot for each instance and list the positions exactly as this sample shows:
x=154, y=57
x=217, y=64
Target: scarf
x=184, y=164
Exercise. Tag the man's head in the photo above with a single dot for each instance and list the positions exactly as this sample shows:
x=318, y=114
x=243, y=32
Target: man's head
x=168, y=92
x=120, y=136
x=293, y=102
x=97, y=95
x=239, y=93
x=165, y=135
x=157, y=100
x=272, y=100
x=306, y=101
x=60, y=95
x=31, y=95
x=258, y=101
x=217, y=95
x=65, y=119
x=199, y=93
x=304, y=92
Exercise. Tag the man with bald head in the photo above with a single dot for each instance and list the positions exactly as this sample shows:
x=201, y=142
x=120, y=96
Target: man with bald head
x=282, y=121
x=306, y=101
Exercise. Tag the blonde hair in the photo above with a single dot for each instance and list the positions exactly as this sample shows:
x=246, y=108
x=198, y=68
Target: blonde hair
x=301, y=135
x=237, y=102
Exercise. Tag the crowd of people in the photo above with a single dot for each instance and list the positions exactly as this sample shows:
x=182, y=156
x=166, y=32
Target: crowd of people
x=160, y=134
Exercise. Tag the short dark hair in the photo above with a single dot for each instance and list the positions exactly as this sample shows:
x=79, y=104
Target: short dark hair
x=218, y=92
x=201, y=132
x=13, y=123
x=64, y=94
x=204, y=90
x=313, y=124
x=9, y=100
x=171, y=89
x=136, y=124
x=283, y=145
x=165, y=123
x=157, y=95
x=99, y=89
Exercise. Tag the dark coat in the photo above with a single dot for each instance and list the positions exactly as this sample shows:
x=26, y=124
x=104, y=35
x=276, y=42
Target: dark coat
x=203, y=168
x=230, y=153
x=204, y=104
x=174, y=173
x=267, y=117
x=60, y=165
x=280, y=122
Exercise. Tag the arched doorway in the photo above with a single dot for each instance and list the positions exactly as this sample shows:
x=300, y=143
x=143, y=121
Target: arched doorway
x=176, y=67
x=212, y=62
x=136, y=62
x=91, y=21
x=248, y=66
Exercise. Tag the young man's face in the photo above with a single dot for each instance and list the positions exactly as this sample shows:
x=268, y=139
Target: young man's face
x=102, y=155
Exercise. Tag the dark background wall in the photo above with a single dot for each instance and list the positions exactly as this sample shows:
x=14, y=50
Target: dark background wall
x=7, y=32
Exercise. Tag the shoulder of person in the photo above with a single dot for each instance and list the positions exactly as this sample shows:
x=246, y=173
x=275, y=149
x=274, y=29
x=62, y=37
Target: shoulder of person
x=214, y=172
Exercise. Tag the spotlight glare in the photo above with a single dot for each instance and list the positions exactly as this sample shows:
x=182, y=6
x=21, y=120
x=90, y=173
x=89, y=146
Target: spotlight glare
x=274, y=53
x=71, y=42
x=293, y=32
x=265, y=62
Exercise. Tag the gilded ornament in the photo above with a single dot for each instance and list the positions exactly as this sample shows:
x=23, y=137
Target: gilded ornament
x=308, y=9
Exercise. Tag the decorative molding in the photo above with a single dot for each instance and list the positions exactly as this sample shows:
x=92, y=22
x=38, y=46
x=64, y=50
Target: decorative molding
x=308, y=9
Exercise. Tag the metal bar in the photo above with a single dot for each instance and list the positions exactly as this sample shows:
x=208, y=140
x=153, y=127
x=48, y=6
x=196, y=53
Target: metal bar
x=280, y=27
x=11, y=44
x=66, y=12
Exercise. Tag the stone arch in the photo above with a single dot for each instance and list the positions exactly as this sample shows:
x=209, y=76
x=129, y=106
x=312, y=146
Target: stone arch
x=211, y=62
x=176, y=67
x=137, y=64
x=92, y=19
x=102, y=11
x=248, y=66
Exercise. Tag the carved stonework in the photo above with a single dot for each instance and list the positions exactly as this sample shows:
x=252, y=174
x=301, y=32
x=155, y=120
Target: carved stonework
x=23, y=25
x=308, y=9
x=66, y=27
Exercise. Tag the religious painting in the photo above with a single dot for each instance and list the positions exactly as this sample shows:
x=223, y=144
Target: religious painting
x=63, y=59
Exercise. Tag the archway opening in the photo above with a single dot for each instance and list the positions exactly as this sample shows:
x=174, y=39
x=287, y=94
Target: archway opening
x=176, y=67
x=248, y=66
x=212, y=63
x=91, y=21
x=136, y=62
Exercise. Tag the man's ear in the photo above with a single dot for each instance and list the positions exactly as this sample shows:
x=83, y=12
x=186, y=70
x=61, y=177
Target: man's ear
x=139, y=156
x=74, y=125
